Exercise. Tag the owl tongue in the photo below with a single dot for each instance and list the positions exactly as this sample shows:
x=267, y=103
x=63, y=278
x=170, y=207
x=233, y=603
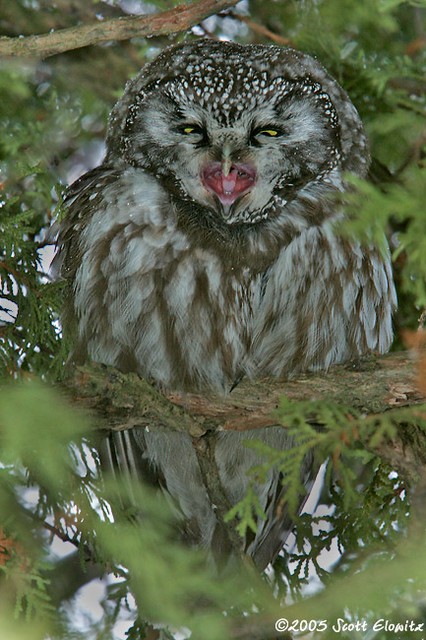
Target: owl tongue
x=240, y=179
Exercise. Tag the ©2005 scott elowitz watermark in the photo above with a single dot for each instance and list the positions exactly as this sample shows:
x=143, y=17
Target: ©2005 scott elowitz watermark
x=340, y=625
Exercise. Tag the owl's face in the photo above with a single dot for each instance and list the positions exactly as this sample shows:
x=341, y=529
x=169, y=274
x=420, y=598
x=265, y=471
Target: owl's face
x=234, y=135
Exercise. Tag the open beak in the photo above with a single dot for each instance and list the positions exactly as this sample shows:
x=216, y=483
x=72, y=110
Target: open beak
x=228, y=180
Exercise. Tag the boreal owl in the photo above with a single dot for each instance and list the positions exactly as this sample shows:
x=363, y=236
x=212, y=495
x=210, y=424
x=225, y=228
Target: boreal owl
x=203, y=250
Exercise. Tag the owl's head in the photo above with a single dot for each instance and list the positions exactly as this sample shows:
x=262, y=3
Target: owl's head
x=238, y=129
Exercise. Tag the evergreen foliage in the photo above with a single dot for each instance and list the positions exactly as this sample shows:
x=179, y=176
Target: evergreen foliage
x=369, y=562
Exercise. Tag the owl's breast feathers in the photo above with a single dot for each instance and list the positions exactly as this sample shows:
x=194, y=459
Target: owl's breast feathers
x=191, y=306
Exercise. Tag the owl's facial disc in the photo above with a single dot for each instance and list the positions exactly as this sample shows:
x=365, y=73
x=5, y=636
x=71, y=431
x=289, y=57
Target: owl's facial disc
x=228, y=183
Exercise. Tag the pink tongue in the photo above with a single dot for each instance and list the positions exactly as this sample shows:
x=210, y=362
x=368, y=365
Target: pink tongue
x=239, y=180
x=229, y=182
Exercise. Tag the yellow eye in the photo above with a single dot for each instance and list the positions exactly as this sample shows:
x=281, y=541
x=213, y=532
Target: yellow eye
x=268, y=132
x=187, y=129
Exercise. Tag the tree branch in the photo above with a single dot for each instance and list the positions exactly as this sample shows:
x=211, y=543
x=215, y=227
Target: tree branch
x=261, y=30
x=122, y=401
x=168, y=22
x=374, y=385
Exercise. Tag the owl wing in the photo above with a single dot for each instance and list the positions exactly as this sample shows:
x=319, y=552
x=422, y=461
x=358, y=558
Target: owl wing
x=78, y=203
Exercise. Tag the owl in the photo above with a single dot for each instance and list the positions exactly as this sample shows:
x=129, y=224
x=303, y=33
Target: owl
x=203, y=250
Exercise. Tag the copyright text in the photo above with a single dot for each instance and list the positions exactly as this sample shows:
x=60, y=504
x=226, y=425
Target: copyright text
x=342, y=625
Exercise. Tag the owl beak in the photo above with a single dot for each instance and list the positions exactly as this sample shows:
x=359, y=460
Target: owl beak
x=226, y=166
x=228, y=181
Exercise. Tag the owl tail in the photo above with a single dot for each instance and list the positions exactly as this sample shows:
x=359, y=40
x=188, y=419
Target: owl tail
x=201, y=493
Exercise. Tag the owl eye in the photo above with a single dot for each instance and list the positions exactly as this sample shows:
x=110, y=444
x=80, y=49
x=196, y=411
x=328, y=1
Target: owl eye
x=269, y=132
x=264, y=132
x=191, y=129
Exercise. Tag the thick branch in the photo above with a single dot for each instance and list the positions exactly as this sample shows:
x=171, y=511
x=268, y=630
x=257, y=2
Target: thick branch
x=118, y=401
x=123, y=401
x=373, y=385
x=175, y=20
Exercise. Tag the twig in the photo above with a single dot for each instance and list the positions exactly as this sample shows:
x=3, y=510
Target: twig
x=174, y=20
x=204, y=448
x=56, y=531
x=414, y=153
x=260, y=29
